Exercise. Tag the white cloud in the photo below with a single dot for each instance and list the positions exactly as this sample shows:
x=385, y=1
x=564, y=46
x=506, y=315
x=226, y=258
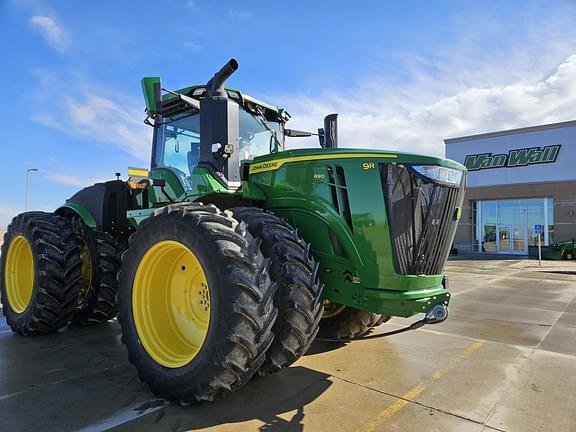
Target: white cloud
x=69, y=180
x=377, y=116
x=192, y=46
x=52, y=32
x=106, y=120
x=73, y=180
x=491, y=77
x=94, y=114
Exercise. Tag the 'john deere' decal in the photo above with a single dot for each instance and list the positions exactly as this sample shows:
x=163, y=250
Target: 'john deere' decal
x=514, y=158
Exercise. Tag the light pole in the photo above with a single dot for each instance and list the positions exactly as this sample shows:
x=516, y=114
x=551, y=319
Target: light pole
x=28, y=171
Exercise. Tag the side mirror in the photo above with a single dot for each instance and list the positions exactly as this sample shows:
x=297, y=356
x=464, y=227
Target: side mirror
x=328, y=135
x=151, y=87
x=331, y=131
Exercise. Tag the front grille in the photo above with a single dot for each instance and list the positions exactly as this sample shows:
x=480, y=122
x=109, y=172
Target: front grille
x=422, y=216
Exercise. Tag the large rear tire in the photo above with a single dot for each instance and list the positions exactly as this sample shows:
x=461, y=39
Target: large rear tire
x=196, y=303
x=299, y=295
x=345, y=322
x=40, y=273
x=98, y=297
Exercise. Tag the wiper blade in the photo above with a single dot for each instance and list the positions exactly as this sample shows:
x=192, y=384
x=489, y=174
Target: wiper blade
x=262, y=120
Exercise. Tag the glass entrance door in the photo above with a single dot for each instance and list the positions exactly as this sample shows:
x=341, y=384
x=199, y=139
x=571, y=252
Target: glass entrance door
x=512, y=240
x=519, y=240
x=509, y=226
x=504, y=244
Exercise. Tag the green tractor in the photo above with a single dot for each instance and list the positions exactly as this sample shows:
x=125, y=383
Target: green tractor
x=231, y=254
x=565, y=250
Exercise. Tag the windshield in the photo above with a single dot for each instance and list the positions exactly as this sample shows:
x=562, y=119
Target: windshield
x=178, y=140
x=258, y=136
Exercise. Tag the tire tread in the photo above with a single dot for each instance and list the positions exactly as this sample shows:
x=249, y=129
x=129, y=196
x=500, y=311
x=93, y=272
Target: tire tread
x=299, y=289
x=57, y=263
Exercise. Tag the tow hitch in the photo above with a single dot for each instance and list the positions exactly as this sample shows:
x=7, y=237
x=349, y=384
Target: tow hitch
x=436, y=315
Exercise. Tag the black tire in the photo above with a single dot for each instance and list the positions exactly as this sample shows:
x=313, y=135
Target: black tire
x=241, y=302
x=381, y=320
x=568, y=256
x=98, y=296
x=56, y=262
x=299, y=294
x=349, y=323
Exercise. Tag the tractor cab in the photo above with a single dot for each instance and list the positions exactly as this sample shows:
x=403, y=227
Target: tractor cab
x=236, y=128
x=177, y=136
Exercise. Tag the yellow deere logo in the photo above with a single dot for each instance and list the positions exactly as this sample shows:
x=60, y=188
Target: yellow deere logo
x=368, y=165
x=264, y=166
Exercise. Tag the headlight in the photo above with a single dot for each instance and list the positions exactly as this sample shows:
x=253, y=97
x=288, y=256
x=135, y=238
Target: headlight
x=440, y=173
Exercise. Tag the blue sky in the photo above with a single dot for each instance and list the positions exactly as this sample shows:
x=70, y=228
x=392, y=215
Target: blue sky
x=402, y=75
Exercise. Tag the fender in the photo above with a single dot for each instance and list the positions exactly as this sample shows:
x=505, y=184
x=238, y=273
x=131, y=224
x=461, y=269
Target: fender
x=101, y=206
x=75, y=209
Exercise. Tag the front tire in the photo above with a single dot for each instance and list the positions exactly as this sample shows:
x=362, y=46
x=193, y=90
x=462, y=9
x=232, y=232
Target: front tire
x=40, y=273
x=345, y=322
x=299, y=295
x=196, y=303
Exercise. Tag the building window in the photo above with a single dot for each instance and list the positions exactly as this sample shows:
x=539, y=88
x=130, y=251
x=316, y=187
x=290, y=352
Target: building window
x=535, y=209
x=512, y=226
x=550, y=220
x=475, y=234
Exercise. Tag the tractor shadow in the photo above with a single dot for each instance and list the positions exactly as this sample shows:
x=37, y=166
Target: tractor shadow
x=561, y=272
x=272, y=403
x=80, y=379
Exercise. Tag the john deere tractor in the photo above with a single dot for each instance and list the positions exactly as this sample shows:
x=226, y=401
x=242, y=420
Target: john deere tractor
x=231, y=254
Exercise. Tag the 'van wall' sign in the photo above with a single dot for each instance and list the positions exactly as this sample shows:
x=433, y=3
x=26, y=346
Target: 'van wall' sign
x=514, y=158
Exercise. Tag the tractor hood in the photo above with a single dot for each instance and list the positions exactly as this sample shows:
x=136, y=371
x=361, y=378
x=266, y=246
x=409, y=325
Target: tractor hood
x=376, y=219
x=274, y=161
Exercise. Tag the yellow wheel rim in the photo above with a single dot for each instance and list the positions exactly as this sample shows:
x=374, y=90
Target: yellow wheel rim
x=331, y=309
x=19, y=274
x=171, y=304
x=86, y=270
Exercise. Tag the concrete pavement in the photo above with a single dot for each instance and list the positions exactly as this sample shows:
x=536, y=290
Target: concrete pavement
x=505, y=360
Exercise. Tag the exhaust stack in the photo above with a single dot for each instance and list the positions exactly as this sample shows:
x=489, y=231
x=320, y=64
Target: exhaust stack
x=219, y=123
x=216, y=84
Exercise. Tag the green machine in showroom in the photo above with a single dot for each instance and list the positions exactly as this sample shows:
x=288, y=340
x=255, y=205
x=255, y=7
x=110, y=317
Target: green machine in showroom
x=231, y=254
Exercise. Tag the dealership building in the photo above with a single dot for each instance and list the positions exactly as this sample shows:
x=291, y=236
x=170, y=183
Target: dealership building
x=521, y=186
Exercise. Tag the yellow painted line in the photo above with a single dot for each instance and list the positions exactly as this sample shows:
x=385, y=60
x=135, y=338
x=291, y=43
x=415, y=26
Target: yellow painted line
x=276, y=164
x=137, y=172
x=468, y=351
x=379, y=419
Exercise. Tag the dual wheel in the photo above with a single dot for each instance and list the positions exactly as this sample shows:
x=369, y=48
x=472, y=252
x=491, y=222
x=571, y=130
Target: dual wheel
x=210, y=298
x=56, y=270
